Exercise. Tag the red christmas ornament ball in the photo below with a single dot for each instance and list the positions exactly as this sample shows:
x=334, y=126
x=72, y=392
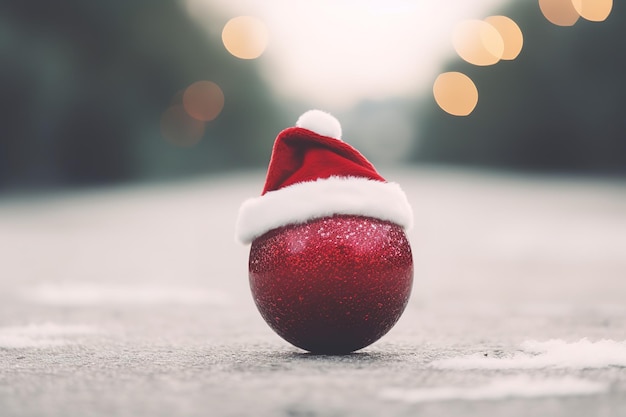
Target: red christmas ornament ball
x=332, y=285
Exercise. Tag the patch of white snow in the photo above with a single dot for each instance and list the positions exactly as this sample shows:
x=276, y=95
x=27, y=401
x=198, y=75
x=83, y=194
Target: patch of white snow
x=41, y=335
x=75, y=294
x=554, y=353
x=499, y=389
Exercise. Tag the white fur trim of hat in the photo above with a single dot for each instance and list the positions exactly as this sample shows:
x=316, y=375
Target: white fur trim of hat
x=301, y=202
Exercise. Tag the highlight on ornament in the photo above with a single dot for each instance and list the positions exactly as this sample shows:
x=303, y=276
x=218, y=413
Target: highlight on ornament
x=330, y=266
x=568, y=12
x=245, y=37
x=455, y=93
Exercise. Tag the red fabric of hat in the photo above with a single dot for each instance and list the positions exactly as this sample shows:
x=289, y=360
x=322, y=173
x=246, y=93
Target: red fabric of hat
x=301, y=155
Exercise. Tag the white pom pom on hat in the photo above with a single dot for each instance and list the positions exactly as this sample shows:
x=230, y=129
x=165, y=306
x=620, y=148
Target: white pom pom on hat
x=320, y=122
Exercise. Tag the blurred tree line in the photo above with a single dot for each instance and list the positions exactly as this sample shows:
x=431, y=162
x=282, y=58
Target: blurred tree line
x=83, y=85
x=558, y=107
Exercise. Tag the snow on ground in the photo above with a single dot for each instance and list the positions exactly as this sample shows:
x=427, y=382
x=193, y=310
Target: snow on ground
x=500, y=389
x=42, y=335
x=583, y=354
x=81, y=294
x=134, y=301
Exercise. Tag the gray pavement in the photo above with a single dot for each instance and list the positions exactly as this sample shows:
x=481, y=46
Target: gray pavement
x=133, y=301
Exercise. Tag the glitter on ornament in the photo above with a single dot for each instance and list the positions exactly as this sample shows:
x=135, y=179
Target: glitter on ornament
x=330, y=265
x=332, y=285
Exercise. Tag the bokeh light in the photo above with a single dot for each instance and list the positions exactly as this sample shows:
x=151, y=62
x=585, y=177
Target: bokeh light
x=455, y=93
x=560, y=12
x=180, y=129
x=245, y=37
x=203, y=100
x=478, y=43
x=511, y=35
x=594, y=10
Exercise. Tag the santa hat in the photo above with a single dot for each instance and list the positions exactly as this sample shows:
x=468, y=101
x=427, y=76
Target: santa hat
x=313, y=174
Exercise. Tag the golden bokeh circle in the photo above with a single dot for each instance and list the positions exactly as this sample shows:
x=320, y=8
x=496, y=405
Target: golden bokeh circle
x=511, y=35
x=593, y=10
x=245, y=37
x=203, y=100
x=559, y=12
x=455, y=93
x=477, y=42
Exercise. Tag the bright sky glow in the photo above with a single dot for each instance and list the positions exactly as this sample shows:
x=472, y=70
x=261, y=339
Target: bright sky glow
x=333, y=53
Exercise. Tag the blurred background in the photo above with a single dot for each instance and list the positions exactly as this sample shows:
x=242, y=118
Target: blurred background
x=97, y=93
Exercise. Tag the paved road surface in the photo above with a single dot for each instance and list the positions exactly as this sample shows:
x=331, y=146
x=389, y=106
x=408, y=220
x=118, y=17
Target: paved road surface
x=134, y=302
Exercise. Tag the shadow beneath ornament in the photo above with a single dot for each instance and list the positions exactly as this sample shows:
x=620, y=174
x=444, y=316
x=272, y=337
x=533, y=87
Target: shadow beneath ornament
x=352, y=357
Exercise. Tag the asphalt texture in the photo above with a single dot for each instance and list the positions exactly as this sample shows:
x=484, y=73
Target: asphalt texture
x=134, y=301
